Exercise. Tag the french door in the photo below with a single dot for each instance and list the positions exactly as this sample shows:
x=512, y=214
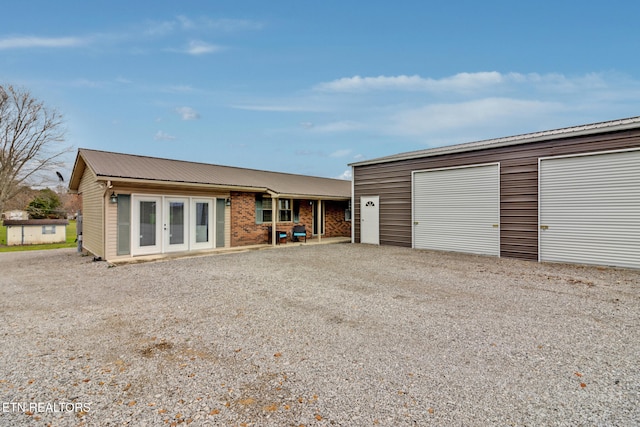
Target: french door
x=146, y=230
x=176, y=222
x=170, y=224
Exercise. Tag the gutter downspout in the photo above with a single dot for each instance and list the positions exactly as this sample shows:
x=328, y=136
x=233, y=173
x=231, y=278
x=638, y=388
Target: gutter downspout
x=104, y=220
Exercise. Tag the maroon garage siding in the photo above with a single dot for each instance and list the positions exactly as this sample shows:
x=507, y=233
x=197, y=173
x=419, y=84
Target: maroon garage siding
x=391, y=180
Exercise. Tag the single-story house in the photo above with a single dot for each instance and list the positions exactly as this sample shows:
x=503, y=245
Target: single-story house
x=137, y=205
x=35, y=231
x=564, y=195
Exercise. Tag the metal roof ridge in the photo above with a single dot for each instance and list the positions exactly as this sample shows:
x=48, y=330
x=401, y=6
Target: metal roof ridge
x=208, y=164
x=618, y=124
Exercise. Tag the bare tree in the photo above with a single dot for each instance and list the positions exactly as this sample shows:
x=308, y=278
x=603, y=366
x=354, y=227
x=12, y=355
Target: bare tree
x=31, y=141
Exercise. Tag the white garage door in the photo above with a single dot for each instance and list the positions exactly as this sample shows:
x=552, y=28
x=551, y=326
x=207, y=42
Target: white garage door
x=457, y=209
x=590, y=209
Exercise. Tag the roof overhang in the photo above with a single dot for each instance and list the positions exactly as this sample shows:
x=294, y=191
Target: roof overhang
x=76, y=173
x=114, y=180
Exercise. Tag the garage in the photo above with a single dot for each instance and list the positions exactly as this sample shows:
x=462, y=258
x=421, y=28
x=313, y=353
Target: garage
x=565, y=195
x=590, y=208
x=457, y=209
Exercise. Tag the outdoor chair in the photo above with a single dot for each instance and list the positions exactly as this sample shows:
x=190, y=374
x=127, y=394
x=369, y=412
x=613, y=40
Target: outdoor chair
x=280, y=236
x=298, y=232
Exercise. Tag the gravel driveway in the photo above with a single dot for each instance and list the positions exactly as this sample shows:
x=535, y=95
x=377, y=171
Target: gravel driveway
x=345, y=335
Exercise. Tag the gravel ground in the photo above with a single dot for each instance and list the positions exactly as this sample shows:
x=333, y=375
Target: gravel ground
x=344, y=335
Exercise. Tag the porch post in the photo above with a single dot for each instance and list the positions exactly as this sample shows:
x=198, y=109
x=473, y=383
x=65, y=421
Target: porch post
x=274, y=211
x=319, y=220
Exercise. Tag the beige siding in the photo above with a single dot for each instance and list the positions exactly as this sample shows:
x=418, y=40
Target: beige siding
x=111, y=227
x=92, y=213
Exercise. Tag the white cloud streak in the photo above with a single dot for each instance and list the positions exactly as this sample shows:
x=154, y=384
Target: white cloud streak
x=198, y=47
x=28, y=42
x=341, y=153
x=437, y=118
x=163, y=136
x=339, y=126
x=459, y=83
x=187, y=113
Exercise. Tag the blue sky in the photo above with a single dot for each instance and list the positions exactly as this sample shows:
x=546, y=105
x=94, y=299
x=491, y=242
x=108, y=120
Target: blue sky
x=308, y=87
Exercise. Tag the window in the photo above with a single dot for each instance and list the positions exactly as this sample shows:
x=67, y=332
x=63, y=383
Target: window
x=147, y=223
x=296, y=211
x=48, y=229
x=284, y=210
x=263, y=209
x=124, y=224
x=202, y=222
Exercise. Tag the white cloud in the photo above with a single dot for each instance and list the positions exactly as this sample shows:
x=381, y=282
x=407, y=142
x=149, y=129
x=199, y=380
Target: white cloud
x=229, y=25
x=346, y=175
x=185, y=22
x=476, y=113
x=163, y=136
x=177, y=89
x=284, y=107
x=198, y=47
x=34, y=42
x=463, y=83
x=156, y=29
x=200, y=24
x=339, y=126
x=187, y=113
x=340, y=153
x=458, y=82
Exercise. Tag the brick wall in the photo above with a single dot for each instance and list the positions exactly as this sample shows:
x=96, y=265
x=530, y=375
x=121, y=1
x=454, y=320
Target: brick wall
x=245, y=231
x=334, y=222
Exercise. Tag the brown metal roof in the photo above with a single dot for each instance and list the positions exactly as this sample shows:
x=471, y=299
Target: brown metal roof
x=114, y=166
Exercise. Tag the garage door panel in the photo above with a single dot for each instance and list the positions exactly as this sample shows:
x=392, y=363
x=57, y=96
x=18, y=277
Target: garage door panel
x=457, y=209
x=590, y=209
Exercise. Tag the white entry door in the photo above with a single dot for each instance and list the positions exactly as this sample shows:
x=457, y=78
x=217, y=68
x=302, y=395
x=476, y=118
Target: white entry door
x=146, y=233
x=202, y=229
x=176, y=224
x=370, y=220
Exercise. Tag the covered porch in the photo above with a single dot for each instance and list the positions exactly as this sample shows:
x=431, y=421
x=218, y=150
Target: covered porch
x=219, y=251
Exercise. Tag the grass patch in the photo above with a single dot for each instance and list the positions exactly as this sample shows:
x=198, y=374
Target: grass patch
x=70, y=242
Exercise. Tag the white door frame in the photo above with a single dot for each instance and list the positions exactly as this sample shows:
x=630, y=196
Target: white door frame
x=138, y=230
x=370, y=220
x=167, y=246
x=211, y=232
